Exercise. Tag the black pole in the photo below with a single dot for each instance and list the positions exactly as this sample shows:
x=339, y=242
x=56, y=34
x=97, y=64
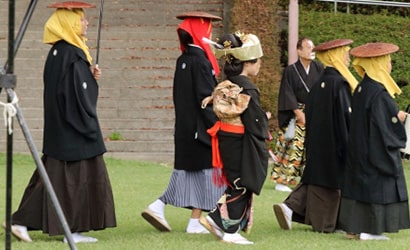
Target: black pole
x=9, y=159
x=97, y=59
x=22, y=30
x=8, y=81
x=42, y=172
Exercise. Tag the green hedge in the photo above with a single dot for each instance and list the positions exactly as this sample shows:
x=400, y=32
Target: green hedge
x=324, y=26
x=318, y=21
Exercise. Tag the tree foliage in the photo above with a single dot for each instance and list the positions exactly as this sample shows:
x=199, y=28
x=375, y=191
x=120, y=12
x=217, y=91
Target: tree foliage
x=364, y=23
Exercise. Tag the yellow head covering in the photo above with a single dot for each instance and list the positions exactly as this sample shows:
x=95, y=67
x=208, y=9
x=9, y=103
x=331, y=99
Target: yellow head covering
x=65, y=24
x=335, y=58
x=377, y=69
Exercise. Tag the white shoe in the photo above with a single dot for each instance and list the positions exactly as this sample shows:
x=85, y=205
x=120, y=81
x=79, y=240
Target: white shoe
x=284, y=215
x=212, y=227
x=366, y=236
x=20, y=232
x=282, y=188
x=236, y=238
x=79, y=238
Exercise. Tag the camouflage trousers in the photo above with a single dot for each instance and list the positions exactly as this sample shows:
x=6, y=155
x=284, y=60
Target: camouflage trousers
x=290, y=157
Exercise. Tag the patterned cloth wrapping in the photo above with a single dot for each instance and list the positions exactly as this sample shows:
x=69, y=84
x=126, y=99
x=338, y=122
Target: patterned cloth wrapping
x=228, y=102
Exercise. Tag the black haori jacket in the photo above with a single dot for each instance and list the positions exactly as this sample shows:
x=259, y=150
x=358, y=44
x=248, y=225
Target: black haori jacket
x=71, y=128
x=374, y=171
x=254, y=162
x=327, y=126
x=194, y=80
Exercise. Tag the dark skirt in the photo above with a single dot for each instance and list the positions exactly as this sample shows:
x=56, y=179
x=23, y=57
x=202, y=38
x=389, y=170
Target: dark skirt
x=316, y=206
x=359, y=217
x=84, y=192
x=234, y=210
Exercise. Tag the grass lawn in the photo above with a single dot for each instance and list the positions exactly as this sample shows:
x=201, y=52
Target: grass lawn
x=136, y=184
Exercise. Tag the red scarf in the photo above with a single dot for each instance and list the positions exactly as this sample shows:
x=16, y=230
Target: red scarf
x=199, y=28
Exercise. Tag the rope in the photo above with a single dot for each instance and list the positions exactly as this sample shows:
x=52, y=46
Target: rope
x=9, y=112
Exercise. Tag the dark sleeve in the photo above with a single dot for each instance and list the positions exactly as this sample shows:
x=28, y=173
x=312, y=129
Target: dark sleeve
x=386, y=135
x=204, y=85
x=342, y=117
x=77, y=100
x=287, y=99
x=254, y=117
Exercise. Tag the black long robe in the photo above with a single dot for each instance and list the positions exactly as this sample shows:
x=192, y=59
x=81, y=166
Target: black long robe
x=374, y=171
x=245, y=162
x=374, y=193
x=254, y=157
x=73, y=151
x=327, y=126
x=193, y=81
x=70, y=105
x=316, y=200
x=292, y=90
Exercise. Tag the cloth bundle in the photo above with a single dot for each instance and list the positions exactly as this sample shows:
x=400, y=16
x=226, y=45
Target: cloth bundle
x=228, y=102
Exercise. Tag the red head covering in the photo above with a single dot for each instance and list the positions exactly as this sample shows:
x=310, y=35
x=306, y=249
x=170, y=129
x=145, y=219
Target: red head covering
x=199, y=28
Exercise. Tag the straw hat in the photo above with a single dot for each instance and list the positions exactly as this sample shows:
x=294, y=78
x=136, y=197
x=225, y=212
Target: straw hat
x=198, y=14
x=71, y=5
x=374, y=49
x=332, y=44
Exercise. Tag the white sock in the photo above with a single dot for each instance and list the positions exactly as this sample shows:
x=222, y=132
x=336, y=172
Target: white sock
x=77, y=238
x=195, y=226
x=23, y=231
x=288, y=211
x=158, y=207
x=194, y=223
x=366, y=236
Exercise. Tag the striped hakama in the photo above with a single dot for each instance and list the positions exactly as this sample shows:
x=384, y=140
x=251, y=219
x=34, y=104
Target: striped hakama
x=192, y=189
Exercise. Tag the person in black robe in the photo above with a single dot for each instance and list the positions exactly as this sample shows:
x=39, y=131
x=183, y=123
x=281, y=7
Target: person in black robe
x=316, y=199
x=241, y=142
x=374, y=194
x=297, y=80
x=190, y=184
x=73, y=145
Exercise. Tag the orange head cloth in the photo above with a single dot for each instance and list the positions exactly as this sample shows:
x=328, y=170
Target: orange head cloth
x=199, y=28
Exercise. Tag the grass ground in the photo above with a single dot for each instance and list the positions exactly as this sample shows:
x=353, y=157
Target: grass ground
x=136, y=184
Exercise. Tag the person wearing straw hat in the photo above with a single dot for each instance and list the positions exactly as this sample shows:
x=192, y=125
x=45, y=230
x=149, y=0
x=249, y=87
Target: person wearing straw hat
x=374, y=194
x=315, y=200
x=190, y=185
x=297, y=80
x=238, y=138
x=73, y=145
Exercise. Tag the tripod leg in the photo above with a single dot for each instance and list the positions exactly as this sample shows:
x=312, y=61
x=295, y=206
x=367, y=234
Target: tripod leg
x=42, y=171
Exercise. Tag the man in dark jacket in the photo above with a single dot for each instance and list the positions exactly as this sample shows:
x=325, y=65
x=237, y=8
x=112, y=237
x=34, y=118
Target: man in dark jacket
x=315, y=201
x=190, y=185
x=374, y=196
x=297, y=81
x=73, y=145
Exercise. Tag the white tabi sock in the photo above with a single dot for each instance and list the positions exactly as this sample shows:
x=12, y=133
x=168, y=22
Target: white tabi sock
x=195, y=227
x=158, y=208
